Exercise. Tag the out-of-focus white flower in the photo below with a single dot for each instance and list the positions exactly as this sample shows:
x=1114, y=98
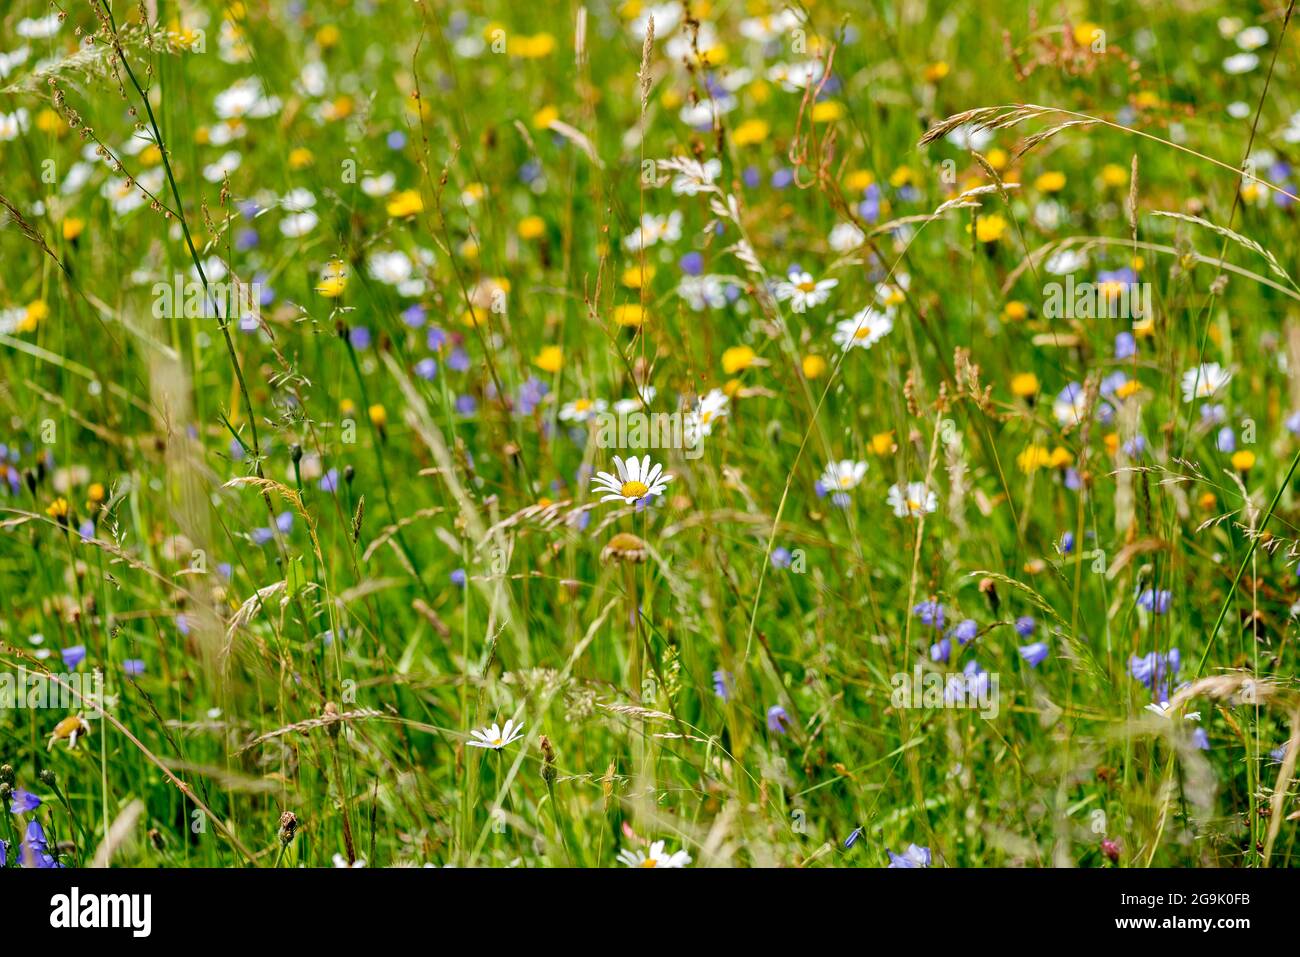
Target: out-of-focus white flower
x=38, y=28
x=1240, y=63
x=245, y=98
x=846, y=236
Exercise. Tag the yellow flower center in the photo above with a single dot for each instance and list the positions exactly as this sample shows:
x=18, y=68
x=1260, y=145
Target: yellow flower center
x=634, y=490
x=582, y=405
x=496, y=742
x=808, y=286
x=649, y=862
x=862, y=331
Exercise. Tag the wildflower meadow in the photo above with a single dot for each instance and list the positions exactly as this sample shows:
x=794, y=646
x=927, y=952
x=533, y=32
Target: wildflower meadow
x=706, y=434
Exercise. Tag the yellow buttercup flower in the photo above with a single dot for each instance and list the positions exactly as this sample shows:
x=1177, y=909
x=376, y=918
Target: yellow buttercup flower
x=737, y=359
x=378, y=415
x=404, y=204
x=36, y=312
x=859, y=180
x=882, y=443
x=333, y=280
x=544, y=117
x=347, y=407
x=1112, y=174
x=936, y=72
x=1033, y=458
x=634, y=277
x=58, y=509
x=550, y=359
x=1050, y=182
x=989, y=229
x=48, y=121
x=1060, y=458
x=998, y=159
x=1131, y=387
x=300, y=158
x=1085, y=34
x=1025, y=385
x=750, y=133
x=901, y=177
x=814, y=367
x=531, y=47
x=630, y=314
x=532, y=227
x=328, y=36
x=1243, y=461
x=827, y=111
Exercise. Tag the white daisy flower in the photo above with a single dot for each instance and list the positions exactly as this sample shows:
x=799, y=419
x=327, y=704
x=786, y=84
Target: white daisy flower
x=697, y=176
x=654, y=229
x=12, y=59
x=38, y=28
x=701, y=419
x=802, y=291
x=657, y=857
x=635, y=480
x=298, y=224
x=125, y=196
x=846, y=236
x=580, y=410
x=892, y=294
x=392, y=268
x=1066, y=261
x=223, y=134
x=771, y=27
x=1162, y=710
x=245, y=98
x=227, y=164
x=1291, y=133
x=970, y=137
x=377, y=186
x=341, y=861
x=912, y=499
x=313, y=78
x=628, y=406
x=497, y=737
x=298, y=199
x=843, y=475
x=1070, y=405
x=1252, y=38
x=701, y=114
x=665, y=16
x=867, y=327
x=683, y=45
x=703, y=292
x=795, y=77
x=13, y=124
x=78, y=176
x=1240, y=63
x=1203, y=381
